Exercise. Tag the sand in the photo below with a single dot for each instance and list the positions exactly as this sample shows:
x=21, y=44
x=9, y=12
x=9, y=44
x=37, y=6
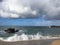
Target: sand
x=36, y=42
x=55, y=42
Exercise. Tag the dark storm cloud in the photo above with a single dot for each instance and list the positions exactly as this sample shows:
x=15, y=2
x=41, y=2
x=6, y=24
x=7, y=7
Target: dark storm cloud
x=1, y=0
x=48, y=9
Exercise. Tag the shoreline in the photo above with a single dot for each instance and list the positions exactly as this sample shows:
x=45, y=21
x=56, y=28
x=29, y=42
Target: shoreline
x=31, y=42
x=49, y=38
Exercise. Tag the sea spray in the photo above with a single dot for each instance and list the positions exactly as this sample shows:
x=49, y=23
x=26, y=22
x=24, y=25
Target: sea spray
x=25, y=37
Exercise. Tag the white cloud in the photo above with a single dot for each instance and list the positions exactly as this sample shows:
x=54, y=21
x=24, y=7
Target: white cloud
x=30, y=8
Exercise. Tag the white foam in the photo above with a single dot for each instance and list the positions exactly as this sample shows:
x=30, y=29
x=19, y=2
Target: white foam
x=25, y=37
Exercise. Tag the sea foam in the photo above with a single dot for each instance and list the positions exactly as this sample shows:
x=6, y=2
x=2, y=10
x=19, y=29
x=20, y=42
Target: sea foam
x=25, y=37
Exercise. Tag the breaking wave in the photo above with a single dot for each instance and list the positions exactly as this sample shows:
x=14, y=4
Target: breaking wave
x=30, y=33
x=26, y=37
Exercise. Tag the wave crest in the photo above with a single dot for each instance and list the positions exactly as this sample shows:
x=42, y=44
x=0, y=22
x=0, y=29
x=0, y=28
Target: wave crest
x=25, y=37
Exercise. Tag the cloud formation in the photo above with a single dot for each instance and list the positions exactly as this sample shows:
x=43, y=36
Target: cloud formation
x=48, y=9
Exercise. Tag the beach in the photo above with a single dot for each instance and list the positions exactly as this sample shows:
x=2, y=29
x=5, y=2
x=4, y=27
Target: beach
x=34, y=42
x=55, y=42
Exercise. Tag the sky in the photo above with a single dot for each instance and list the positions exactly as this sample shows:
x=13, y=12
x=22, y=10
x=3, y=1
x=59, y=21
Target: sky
x=30, y=12
x=28, y=22
x=22, y=22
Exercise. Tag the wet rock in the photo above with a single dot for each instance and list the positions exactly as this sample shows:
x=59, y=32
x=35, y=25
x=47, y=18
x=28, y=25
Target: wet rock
x=11, y=30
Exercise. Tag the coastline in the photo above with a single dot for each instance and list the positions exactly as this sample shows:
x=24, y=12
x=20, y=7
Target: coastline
x=33, y=42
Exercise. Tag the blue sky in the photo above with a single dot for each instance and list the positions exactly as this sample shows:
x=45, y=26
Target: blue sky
x=19, y=21
x=28, y=22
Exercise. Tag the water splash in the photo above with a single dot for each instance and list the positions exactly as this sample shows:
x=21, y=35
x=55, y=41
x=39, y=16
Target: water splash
x=25, y=37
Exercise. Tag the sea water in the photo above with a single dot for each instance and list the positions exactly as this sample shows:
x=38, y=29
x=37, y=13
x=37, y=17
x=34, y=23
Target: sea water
x=27, y=33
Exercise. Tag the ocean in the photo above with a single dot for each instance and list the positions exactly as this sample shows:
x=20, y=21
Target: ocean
x=27, y=33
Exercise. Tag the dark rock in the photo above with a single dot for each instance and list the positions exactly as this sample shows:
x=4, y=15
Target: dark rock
x=11, y=30
x=55, y=26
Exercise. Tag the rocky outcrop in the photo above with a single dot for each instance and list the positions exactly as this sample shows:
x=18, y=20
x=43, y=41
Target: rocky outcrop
x=54, y=26
x=11, y=30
